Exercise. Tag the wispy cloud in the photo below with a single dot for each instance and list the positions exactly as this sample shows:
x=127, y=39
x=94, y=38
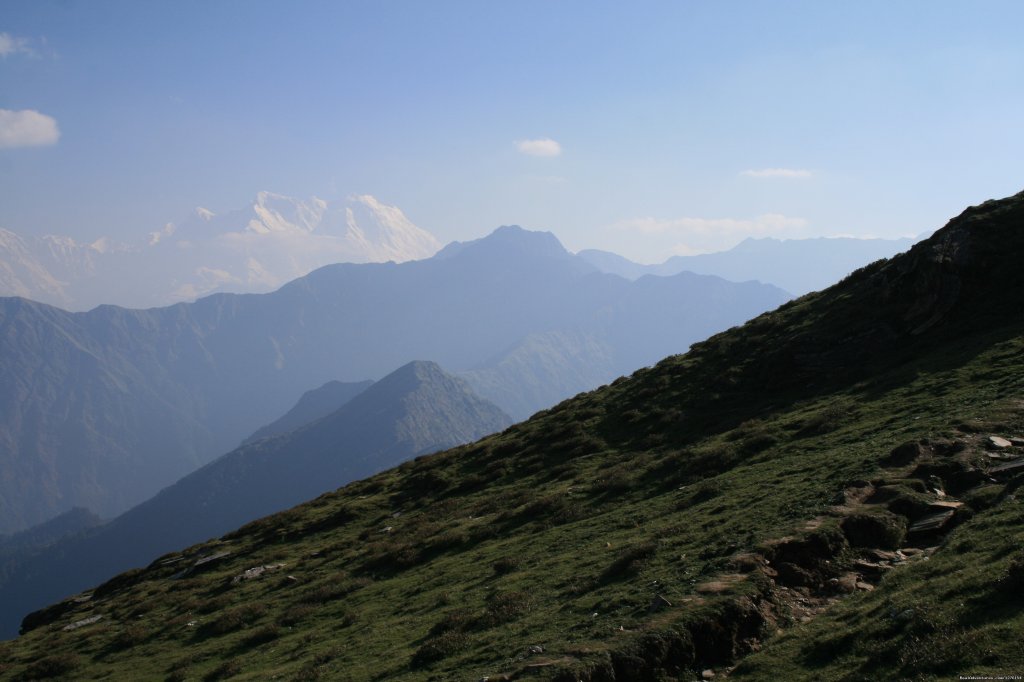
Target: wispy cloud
x=27, y=128
x=541, y=147
x=702, y=235
x=548, y=179
x=11, y=45
x=791, y=173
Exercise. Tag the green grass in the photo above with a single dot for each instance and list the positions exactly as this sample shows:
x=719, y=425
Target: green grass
x=561, y=531
x=424, y=599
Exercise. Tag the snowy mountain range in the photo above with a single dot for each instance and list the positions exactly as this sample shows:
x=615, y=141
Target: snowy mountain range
x=251, y=250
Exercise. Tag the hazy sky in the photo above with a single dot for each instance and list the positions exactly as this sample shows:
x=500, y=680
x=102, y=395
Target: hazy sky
x=644, y=128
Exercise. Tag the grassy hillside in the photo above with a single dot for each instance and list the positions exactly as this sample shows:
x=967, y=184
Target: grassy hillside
x=777, y=491
x=418, y=408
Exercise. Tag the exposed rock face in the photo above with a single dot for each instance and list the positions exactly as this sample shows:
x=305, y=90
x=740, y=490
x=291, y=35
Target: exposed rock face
x=998, y=443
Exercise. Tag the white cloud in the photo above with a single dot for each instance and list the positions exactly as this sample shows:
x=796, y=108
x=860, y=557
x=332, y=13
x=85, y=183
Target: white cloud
x=13, y=45
x=777, y=173
x=544, y=146
x=27, y=128
x=687, y=236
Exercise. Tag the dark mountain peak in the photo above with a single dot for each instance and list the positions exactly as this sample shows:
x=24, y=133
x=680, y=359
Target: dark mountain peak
x=423, y=387
x=421, y=370
x=509, y=242
x=966, y=277
x=409, y=377
x=966, y=272
x=313, y=405
x=72, y=521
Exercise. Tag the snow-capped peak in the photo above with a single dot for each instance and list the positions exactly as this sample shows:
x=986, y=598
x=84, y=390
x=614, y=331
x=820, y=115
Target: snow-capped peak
x=257, y=248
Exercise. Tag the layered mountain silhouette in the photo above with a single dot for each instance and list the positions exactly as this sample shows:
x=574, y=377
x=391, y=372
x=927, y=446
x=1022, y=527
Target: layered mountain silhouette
x=797, y=265
x=313, y=405
x=829, y=491
x=415, y=410
x=254, y=249
x=102, y=409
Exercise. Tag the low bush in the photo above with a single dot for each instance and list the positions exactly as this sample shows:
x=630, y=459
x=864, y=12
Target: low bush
x=440, y=647
x=630, y=561
x=234, y=619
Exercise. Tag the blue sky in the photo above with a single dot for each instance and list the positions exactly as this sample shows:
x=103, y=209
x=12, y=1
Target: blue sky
x=643, y=128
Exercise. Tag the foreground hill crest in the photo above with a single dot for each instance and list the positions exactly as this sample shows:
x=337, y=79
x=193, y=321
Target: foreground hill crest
x=673, y=522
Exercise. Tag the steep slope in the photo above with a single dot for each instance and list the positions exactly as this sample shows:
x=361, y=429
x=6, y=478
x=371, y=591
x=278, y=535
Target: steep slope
x=102, y=409
x=798, y=266
x=313, y=405
x=416, y=409
x=669, y=523
x=254, y=249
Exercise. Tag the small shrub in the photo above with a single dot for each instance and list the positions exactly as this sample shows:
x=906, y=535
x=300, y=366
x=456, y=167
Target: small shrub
x=336, y=518
x=614, y=481
x=310, y=673
x=446, y=540
x=216, y=604
x=551, y=510
x=267, y=633
x=296, y=614
x=506, y=564
x=702, y=492
x=429, y=483
x=56, y=665
x=223, y=671
x=234, y=619
x=504, y=607
x=388, y=556
x=1012, y=581
x=130, y=636
x=471, y=483
x=630, y=561
x=457, y=620
x=885, y=531
x=177, y=675
x=438, y=648
x=322, y=593
x=983, y=497
x=828, y=419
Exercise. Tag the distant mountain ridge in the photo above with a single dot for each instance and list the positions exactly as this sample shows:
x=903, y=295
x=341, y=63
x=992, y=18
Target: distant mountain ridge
x=251, y=250
x=313, y=405
x=416, y=409
x=102, y=409
x=798, y=266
